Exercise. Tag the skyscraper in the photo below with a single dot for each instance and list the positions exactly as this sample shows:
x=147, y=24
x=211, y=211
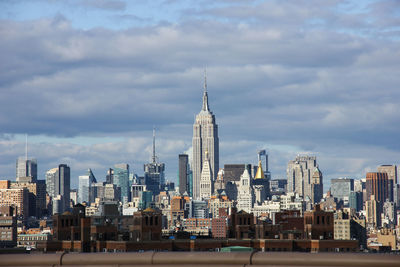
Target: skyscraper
x=58, y=186
x=65, y=187
x=121, y=180
x=26, y=168
x=183, y=173
x=377, y=185
x=154, y=172
x=304, y=178
x=205, y=138
x=85, y=184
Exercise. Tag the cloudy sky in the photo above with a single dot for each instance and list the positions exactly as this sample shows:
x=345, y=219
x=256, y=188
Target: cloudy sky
x=87, y=80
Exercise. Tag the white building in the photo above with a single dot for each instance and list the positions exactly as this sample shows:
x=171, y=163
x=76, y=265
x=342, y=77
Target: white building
x=267, y=206
x=245, y=196
x=292, y=201
x=206, y=181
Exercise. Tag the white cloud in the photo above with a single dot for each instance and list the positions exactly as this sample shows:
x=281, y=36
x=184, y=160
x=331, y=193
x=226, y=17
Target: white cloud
x=299, y=75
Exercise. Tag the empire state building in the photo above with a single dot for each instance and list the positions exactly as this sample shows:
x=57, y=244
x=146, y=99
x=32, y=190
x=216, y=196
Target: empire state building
x=205, y=138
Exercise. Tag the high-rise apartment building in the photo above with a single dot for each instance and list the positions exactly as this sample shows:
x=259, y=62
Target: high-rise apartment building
x=26, y=168
x=58, y=186
x=205, y=138
x=154, y=172
x=85, y=185
x=304, y=178
x=121, y=180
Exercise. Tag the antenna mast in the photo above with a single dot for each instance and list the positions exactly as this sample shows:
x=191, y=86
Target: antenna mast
x=154, y=145
x=205, y=80
x=26, y=146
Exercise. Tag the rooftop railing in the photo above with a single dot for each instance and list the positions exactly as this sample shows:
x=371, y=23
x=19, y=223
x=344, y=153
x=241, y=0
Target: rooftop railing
x=208, y=259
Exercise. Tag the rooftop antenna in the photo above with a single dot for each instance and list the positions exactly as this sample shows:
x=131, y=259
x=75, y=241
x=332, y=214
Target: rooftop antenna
x=154, y=145
x=205, y=79
x=205, y=97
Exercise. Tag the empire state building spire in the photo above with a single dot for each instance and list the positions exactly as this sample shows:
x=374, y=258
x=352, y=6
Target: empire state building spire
x=205, y=95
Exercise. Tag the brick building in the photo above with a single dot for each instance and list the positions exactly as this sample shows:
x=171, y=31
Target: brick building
x=318, y=224
x=241, y=225
x=8, y=227
x=147, y=225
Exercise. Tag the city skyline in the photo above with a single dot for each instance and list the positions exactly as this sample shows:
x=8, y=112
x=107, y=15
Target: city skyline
x=320, y=79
